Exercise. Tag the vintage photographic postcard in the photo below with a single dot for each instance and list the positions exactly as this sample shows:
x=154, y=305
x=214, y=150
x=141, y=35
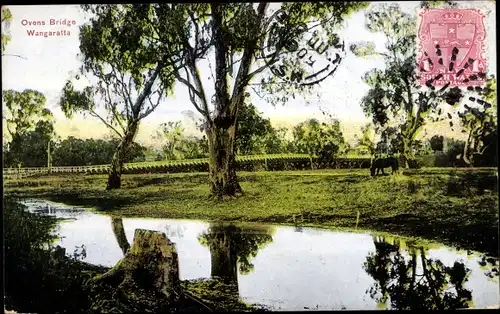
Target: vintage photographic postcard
x=292, y=156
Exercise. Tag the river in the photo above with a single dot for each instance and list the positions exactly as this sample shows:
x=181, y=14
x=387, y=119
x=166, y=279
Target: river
x=293, y=268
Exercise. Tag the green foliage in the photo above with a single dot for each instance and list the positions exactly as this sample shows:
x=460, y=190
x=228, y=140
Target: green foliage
x=6, y=20
x=437, y=143
x=172, y=134
x=479, y=120
x=30, y=126
x=24, y=110
x=73, y=101
x=30, y=148
x=438, y=4
x=112, y=50
x=408, y=287
x=39, y=278
x=77, y=152
x=422, y=147
x=319, y=139
x=395, y=98
x=367, y=140
x=193, y=147
x=453, y=149
x=244, y=243
x=253, y=130
x=218, y=295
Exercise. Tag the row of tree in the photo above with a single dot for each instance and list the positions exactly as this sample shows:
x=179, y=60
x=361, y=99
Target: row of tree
x=39, y=145
x=37, y=149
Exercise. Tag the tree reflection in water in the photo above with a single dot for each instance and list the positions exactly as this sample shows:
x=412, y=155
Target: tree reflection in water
x=121, y=237
x=415, y=282
x=231, y=245
x=490, y=266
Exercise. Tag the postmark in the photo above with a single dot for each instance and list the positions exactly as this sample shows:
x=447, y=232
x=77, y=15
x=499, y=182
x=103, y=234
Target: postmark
x=303, y=56
x=451, y=46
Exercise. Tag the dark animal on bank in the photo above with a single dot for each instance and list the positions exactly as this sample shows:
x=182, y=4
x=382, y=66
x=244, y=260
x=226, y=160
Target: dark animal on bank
x=381, y=163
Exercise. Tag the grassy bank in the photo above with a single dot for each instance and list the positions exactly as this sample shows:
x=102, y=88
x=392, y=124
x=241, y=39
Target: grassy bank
x=453, y=206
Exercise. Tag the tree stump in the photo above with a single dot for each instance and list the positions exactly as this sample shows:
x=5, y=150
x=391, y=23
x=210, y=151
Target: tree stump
x=145, y=280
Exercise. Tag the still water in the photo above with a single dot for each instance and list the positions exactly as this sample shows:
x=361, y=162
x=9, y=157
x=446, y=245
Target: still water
x=292, y=268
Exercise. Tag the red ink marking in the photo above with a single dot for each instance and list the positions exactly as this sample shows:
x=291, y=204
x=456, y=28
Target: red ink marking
x=451, y=43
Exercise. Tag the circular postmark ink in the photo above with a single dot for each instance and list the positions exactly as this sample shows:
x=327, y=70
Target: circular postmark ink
x=301, y=55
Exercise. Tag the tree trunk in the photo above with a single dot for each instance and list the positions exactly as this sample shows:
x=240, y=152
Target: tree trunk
x=466, y=151
x=222, y=162
x=407, y=154
x=146, y=280
x=224, y=259
x=49, y=159
x=121, y=237
x=114, y=178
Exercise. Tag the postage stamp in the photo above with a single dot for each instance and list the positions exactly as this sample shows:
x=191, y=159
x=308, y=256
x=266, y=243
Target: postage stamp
x=304, y=60
x=451, y=43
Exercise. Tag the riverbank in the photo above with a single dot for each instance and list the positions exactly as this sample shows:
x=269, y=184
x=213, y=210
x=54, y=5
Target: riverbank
x=458, y=207
x=41, y=277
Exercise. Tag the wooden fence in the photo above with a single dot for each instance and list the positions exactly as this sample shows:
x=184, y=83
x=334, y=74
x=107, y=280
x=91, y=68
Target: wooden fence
x=10, y=173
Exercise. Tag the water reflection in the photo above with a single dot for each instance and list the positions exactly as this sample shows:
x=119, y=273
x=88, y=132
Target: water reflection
x=490, y=266
x=121, y=237
x=415, y=281
x=232, y=245
x=291, y=268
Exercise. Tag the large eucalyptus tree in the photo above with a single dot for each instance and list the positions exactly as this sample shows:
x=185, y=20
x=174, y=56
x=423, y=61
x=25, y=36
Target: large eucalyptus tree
x=232, y=36
x=132, y=78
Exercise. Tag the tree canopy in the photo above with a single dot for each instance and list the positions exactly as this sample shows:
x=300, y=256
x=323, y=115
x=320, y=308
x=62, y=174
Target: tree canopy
x=24, y=110
x=6, y=20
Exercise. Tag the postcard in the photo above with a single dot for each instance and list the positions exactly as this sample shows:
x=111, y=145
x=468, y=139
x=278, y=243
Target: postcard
x=291, y=156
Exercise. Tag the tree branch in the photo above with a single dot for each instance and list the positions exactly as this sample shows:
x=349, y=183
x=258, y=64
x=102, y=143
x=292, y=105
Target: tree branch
x=95, y=114
x=221, y=51
x=153, y=106
x=242, y=78
x=146, y=91
x=199, y=86
x=11, y=55
x=192, y=92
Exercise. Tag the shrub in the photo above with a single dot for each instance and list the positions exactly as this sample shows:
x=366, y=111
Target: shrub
x=38, y=276
x=426, y=161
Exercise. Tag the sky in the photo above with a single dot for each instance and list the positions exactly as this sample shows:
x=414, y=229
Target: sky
x=52, y=60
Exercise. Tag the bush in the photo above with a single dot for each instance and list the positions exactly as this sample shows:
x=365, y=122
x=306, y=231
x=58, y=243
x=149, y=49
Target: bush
x=38, y=276
x=442, y=160
x=426, y=161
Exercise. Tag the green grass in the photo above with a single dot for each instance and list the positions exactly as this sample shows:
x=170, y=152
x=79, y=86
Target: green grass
x=456, y=206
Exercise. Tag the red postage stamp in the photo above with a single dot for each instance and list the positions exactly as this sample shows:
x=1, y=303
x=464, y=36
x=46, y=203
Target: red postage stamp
x=451, y=42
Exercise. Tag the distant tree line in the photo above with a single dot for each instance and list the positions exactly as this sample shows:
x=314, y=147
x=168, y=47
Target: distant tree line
x=33, y=130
